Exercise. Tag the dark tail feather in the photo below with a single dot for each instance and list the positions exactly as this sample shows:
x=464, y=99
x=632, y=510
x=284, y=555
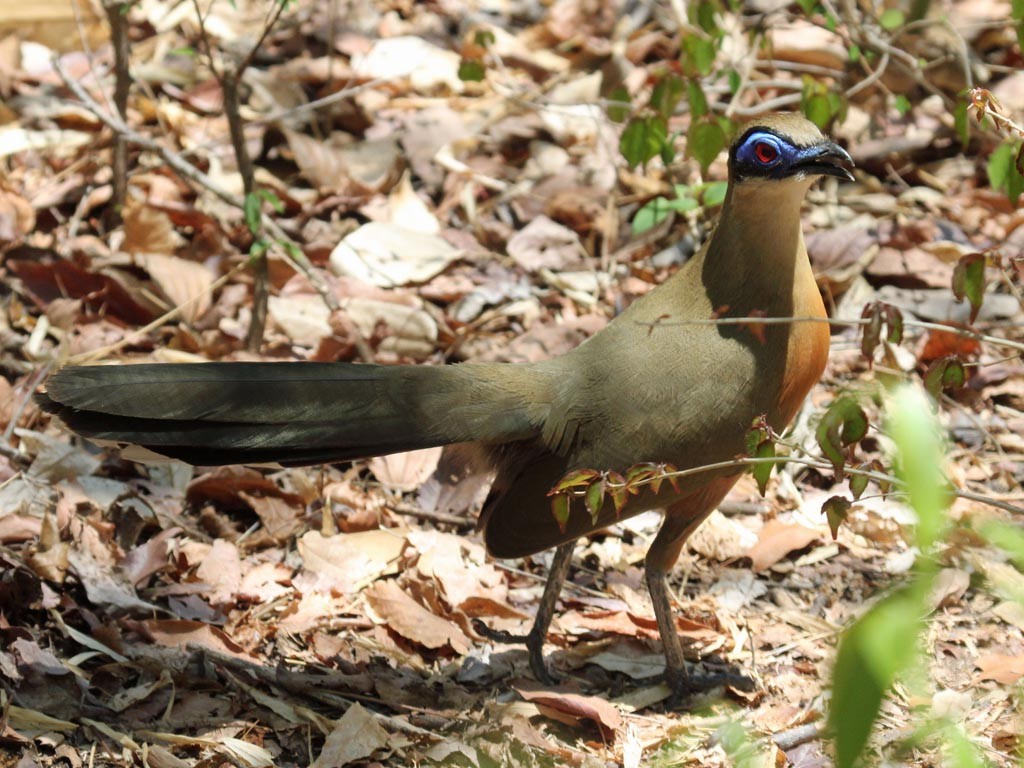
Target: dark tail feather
x=289, y=413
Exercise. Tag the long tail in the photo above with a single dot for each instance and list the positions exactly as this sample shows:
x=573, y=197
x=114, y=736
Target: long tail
x=295, y=413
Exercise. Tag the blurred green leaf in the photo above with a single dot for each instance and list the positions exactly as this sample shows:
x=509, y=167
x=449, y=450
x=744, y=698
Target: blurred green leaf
x=854, y=53
x=619, y=105
x=843, y=424
x=920, y=456
x=560, y=510
x=880, y=645
x=643, y=139
x=902, y=104
x=1008, y=537
x=666, y=94
x=1002, y=171
x=892, y=18
x=705, y=141
x=656, y=210
x=713, y=193
x=961, y=121
x=1017, y=14
x=836, y=509
x=969, y=281
x=698, y=55
x=696, y=100
x=471, y=70
x=251, y=211
x=763, y=472
x=944, y=373
x=484, y=38
x=735, y=81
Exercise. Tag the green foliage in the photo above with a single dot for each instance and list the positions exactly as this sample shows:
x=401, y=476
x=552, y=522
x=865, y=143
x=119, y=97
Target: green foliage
x=472, y=70
x=1004, y=172
x=969, y=281
x=687, y=198
x=643, y=139
x=1017, y=14
x=820, y=104
x=843, y=424
x=892, y=19
x=705, y=142
x=885, y=643
x=878, y=314
x=667, y=91
x=836, y=509
x=698, y=55
x=944, y=373
x=619, y=105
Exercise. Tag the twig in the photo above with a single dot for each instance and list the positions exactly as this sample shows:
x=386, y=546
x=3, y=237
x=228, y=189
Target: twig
x=412, y=510
x=116, y=11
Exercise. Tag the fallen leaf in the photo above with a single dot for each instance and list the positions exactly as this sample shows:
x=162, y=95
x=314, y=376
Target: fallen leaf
x=412, y=621
x=778, y=539
x=389, y=255
x=1004, y=669
x=351, y=560
x=574, y=707
x=356, y=736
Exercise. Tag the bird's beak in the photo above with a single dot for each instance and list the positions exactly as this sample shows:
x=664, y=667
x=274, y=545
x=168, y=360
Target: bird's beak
x=825, y=159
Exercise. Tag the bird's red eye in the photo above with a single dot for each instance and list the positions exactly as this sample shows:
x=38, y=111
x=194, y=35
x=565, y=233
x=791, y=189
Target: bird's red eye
x=765, y=152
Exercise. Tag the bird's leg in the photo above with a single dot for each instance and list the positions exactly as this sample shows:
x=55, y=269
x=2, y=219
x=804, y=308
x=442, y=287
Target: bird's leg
x=676, y=676
x=545, y=612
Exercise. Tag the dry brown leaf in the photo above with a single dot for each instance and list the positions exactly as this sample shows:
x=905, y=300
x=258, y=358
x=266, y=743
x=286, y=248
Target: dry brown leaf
x=349, y=561
x=405, y=471
x=148, y=230
x=221, y=569
x=412, y=621
x=177, y=633
x=356, y=736
x=185, y=283
x=778, y=539
x=1002, y=668
x=573, y=707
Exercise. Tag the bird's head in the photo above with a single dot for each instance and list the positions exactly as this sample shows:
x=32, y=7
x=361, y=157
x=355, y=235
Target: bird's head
x=784, y=148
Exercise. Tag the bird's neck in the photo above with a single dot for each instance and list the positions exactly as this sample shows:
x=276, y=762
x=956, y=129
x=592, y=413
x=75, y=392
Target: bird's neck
x=758, y=244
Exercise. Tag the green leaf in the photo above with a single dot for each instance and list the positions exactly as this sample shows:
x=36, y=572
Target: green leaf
x=484, y=38
x=560, y=510
x=713, y=193
x=471, y=70
x=703, y=14
x=619, y=105
x=969, y=281
x=271, y=198
x=698, y=55
x=1017, y=14
x=668, y=149
x=843, y=424
x=735, y=81
x=854, y=53
x=595, y=499
x=666, y=94
x=575, y=479
x=251, y=210
x=880, y=645
x=902, y=104
x=1008, y=537
x=1003, y=173
x=893, y=319
x=696, y=99
x=891, y=19
x=259, y=247
x=919, y=458
x=704, y=143
x=836, y=509
x=655, y=211
x=945, y=373
x=858, y=484
x=643, y=139
x=763, y=472
x=872, y=330
x=962, y=123
x=807, y=6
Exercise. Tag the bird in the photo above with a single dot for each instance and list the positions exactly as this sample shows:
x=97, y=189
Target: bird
x=659, y=384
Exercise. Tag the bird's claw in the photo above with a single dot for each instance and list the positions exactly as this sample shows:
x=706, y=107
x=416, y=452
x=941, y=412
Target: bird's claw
x=534, y=643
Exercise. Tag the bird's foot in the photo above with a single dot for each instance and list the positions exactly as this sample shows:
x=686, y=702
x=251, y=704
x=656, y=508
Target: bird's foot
x=534, y=642
x=684, y=685
x=498, y=635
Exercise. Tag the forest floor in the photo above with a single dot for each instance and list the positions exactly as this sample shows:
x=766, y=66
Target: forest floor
x=165, y=615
